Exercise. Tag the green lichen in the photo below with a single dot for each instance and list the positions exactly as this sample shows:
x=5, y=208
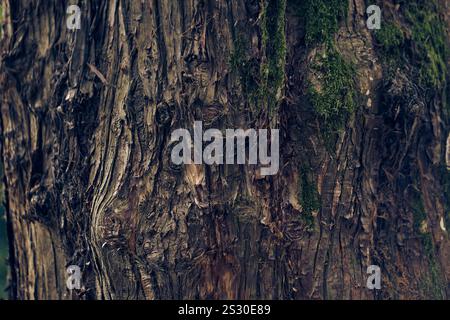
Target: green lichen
x=334, y=96
x=309, y=197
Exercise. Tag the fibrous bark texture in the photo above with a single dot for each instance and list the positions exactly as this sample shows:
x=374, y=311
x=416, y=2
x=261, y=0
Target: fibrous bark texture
x=86, y=119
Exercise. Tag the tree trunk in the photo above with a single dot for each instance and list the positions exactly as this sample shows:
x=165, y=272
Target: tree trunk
x=86, y=120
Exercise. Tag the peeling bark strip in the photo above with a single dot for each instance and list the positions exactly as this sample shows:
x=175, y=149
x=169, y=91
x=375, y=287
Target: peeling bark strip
x=86, y=119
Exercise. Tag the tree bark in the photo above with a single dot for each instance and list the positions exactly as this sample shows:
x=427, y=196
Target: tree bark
x=86, y=119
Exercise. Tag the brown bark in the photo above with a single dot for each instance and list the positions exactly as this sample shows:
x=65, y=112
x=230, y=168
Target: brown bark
x=86, y=118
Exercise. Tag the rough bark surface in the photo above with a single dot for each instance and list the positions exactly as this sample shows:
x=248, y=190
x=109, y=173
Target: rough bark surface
x=86, y=118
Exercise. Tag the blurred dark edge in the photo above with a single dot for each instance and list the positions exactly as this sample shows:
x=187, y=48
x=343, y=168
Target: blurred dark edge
x=3, y=242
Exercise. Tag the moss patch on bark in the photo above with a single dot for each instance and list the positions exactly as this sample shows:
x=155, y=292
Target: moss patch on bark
x=390, y=40
x=322, y=18
x=274, y=40
x=333, y=95
x=428, y=35
x=421, y=43
x=445, y=182
x=431, y=284
x=309, y=197
x=262, y=78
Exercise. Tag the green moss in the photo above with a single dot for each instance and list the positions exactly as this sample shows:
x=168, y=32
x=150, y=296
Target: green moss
x=248, y=70
x=425, y=52
x=276, y=53
x=1, y=21
x=334, y=96
x=391, y=43
x=425, y=49
x=419, y=214
x=308, y=196
x=262, y=79
x=321, y=18
x=445, y=183
x=332, y=90
x=431, y=283
x=390, y=39
x=428, y=34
